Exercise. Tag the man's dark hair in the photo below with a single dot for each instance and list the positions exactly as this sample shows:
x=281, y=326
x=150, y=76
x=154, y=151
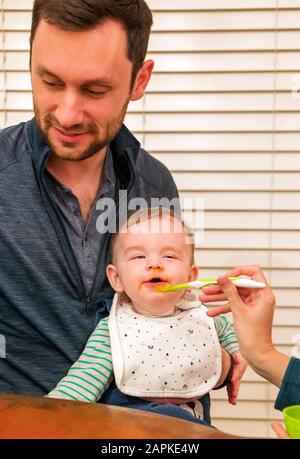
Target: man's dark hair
x=77, y=15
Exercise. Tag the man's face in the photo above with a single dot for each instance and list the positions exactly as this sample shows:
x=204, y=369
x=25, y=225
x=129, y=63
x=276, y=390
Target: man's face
x=81, y=87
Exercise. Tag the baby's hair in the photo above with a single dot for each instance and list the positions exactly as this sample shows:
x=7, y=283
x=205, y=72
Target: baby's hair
x=144, y=214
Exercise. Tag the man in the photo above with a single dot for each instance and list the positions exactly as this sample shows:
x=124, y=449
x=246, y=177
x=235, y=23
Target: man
x=87, y=63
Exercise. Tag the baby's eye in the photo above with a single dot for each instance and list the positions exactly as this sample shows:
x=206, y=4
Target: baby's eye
x=138, y=257
x=170, y=256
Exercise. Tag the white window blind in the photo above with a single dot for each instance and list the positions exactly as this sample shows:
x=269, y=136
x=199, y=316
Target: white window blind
x=222, y=112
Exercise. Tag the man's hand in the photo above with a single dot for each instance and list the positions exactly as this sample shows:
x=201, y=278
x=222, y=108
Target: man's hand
x=239, y=368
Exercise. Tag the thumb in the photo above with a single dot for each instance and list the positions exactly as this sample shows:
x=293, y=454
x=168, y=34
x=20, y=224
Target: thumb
x=230, y=291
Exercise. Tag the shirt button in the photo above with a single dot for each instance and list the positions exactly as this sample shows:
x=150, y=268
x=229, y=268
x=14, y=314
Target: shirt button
x=77, y=212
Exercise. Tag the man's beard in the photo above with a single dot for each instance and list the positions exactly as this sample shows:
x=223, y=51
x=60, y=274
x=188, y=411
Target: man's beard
x=101, y=140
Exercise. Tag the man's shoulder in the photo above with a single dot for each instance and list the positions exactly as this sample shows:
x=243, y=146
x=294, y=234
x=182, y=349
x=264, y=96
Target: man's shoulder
x=148, y=158
x=145, y=163
x=13, y=144
x=153, y=171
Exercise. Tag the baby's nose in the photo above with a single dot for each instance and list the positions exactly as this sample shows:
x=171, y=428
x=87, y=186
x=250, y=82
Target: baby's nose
x=155, y=265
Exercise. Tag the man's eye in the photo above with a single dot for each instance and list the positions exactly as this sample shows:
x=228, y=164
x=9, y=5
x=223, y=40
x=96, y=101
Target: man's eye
x=94, y=93
x=51, y=84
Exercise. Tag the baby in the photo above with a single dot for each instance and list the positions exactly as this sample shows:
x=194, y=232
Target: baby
x=161, y=348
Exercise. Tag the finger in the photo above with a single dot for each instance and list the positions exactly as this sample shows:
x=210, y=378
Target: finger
x=217, y=311
x=235, y=385
x=230, y=292
x=279, y=430
x=231, y=398
x=235, y=388
x=212, y=298
x=211, y=290
x=253, y=271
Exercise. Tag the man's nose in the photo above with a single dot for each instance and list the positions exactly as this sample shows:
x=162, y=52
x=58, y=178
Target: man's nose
x=69, y=112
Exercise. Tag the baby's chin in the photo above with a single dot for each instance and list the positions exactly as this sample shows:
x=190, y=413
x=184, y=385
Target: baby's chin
x=159, y=305
x=154, y=311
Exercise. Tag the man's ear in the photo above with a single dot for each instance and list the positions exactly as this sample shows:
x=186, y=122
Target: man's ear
x=114, y=279
x=193, y=273
x=142, y=80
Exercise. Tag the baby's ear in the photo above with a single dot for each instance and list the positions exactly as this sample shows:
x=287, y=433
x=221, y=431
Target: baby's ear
x=114, y=279
x=193, y=273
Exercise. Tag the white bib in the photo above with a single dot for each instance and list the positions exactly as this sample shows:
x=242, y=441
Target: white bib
x=174, y=356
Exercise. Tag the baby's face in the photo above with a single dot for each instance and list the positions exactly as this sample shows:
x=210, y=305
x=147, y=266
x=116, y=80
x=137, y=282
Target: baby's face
x=146, y=257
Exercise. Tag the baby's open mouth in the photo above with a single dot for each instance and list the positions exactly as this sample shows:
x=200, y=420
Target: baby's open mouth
x=155, y=281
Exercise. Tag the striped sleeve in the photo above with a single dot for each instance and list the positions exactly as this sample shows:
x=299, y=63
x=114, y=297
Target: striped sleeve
x=226, y=334
x=92, y=373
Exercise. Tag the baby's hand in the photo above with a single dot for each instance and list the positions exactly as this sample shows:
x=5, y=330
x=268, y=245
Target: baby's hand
x=239, y=368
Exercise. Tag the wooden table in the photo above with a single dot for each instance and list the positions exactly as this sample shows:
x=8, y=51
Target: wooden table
x=38, y=417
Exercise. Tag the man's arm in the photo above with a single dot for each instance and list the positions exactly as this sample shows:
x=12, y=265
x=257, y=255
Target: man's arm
x=91, y=374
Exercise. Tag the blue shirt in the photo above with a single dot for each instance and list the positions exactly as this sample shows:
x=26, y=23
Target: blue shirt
x=84, y=237
x=46, y=316
x=289, y=393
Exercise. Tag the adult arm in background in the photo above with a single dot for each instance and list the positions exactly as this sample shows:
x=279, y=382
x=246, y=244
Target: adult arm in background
x=280, y=430
x=252, y=311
